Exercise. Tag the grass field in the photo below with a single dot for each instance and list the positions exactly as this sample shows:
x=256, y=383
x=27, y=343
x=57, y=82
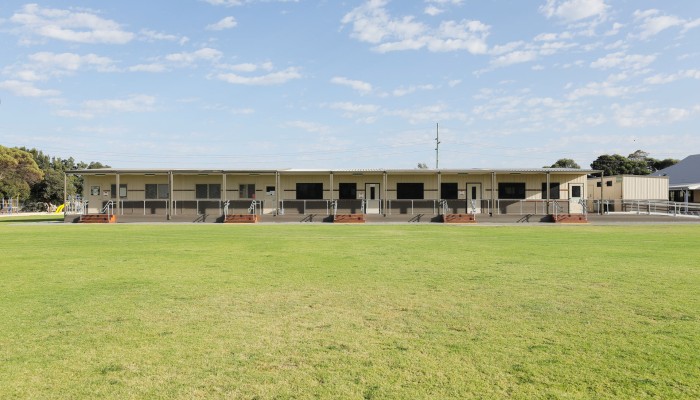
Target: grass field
x=364, y=312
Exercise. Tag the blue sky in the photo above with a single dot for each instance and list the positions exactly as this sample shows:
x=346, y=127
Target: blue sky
x=350, y=84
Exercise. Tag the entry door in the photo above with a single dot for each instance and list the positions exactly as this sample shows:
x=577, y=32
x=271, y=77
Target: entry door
x=474, y=198
x=372, y=198
x=575, y=196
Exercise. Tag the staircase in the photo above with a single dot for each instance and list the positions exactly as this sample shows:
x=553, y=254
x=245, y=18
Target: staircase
x=98, y=219
x=458, y=218
x=349, y=218
x=241, y=219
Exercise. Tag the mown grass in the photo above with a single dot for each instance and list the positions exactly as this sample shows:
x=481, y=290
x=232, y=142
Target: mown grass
x=367, y=312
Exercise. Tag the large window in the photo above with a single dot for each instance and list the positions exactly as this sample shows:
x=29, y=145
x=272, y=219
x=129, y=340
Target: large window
x=157, y=191
x=507, y=190
x=208, y=191
x=553, y=190
x=246, y=191
x=412, y=191
x=309, y=191
x=448, y=190
x=122, y=190
x=347, y=191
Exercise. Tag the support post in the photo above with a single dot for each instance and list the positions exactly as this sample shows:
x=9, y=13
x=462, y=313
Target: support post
x=493, y=191
x=386, y=191
x=118, y=195
x=65, y=192
x=171, y=195
x=602, y=185
x=548, y=195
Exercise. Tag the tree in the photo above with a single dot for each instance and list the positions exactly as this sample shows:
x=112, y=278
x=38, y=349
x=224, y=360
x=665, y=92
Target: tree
x=661, y=164
x=619, y=165
x=422, y=166
x=18, y=171
x=565, y=163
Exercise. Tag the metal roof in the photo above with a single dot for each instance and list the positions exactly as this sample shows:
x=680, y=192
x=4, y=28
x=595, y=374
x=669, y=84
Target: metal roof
x=684, y=174
x=128, y=171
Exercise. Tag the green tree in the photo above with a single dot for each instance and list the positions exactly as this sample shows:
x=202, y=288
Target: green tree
x=18, y=171
x=620, y=165
x=565, y=163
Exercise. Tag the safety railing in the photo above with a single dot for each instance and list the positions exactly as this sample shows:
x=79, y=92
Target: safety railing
x=108, y=208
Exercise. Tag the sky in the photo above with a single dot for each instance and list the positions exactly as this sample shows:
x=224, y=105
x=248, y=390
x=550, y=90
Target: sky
x=271, y=84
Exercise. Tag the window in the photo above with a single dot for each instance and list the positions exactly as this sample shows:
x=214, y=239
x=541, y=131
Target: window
x=207, y=191
x=309, y=191
x=608, y=183
x=347, y=191
x=94, y=191
x=508, y=190
x=270, y=190
x=576, y=191
x=157, y=191
x=413, y=191
x=553, y=190
x=246, y=191
x=122, y=190
x=597, y=184
x=448, y=190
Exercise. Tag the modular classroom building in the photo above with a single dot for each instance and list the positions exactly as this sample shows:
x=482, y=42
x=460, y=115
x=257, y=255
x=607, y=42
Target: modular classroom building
x=317, y=195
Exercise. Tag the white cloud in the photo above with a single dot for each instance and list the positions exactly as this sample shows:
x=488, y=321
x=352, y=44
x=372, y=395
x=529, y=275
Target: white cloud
x=608, y=88
x=574, y=10
x=151, y=36
x=651, y=23
x=312, y=127
x=660, y=79
x=233, y=3
x=623, y=61
x=273, y=78
x=371, y=23
x=402, y=91
x=72, y=62
x=354, y=108
x=638, y=115
x=91, y=108
x=155, y=67
x=26, y=89
x=454, y=82
x=360, y=86
x=206, y=54
x=433, y=11
x=248, y=67
x=431, y=113
x=514, y=57
x=70, y=26
x=225, y=23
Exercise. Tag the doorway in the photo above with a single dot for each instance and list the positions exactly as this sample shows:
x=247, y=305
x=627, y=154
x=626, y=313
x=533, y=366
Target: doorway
x=372, y=198
x=474, y=198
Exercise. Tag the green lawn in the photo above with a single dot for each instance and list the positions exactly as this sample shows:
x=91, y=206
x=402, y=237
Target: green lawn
x=363, y=312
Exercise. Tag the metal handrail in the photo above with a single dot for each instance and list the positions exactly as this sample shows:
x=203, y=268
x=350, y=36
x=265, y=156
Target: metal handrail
x=108, y=208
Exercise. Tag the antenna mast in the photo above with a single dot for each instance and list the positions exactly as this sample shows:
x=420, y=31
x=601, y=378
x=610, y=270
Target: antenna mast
x=437, y=146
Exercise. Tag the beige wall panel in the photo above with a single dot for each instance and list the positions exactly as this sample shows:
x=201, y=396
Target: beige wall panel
x=261, y=182
x=644, y=188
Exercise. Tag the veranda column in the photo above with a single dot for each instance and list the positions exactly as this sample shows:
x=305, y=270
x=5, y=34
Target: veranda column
x=118, y=195
x=65, y=192
x=493, y=191
x=548, y=197
x=171, y=195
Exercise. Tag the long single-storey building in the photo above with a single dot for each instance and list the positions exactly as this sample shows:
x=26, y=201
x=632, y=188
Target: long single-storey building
x=207, y=195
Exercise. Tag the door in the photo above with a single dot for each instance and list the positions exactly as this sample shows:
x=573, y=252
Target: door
x=575, y=196
x=474, y=198
x=372, y=198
